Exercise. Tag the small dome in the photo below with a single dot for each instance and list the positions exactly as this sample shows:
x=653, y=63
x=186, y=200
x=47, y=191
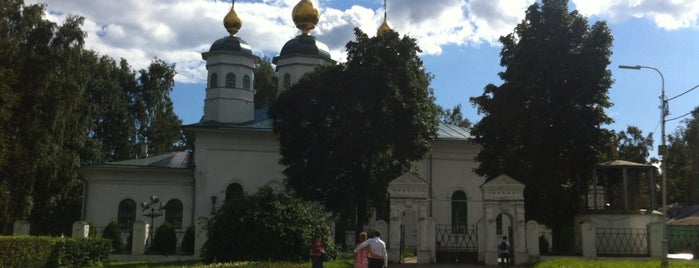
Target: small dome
x=231, y=21
x=231, y=43
x=305, y=45
x=305, y=16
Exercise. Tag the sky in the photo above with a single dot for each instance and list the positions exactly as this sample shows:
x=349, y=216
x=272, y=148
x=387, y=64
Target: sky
x=458, y=38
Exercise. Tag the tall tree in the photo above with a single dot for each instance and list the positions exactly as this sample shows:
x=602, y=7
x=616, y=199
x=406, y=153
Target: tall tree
x=542, y=126
x=692, y=139
x=453, y=116
x=633, y=146
x=265, y=83
x=354, y=127
x=679, y=168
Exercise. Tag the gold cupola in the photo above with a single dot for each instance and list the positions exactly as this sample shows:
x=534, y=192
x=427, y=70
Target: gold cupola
x=231, y=21
x=384, y=26
x=305, y=16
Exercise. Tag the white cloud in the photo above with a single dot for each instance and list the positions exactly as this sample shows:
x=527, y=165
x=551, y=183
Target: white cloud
x=177, y=31
x=666, y=14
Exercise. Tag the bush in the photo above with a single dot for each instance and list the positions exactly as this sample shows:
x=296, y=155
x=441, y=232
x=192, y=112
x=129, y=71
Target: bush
x=269, y=225
x=165, y=239
x=188, y=240
x=112, y=232
x=43, y=251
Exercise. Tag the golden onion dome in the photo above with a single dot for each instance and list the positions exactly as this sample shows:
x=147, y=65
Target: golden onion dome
x=231, y=21
x=384, y=26
x=305, y=16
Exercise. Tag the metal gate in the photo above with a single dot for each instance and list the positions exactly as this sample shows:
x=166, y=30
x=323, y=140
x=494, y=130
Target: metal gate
x=456, y=243
x=682, y=238
x=622, y=242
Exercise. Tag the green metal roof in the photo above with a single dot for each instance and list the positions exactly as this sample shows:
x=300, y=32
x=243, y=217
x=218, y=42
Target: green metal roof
x=304, y=45
x=264, y=124
x=231, y=43
x=166, y=160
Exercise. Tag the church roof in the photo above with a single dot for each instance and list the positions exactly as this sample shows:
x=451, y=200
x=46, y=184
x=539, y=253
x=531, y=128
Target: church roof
x=264, y=124
x=622, y=163
x=166, y=160
x=231, y=43
x=304, y=45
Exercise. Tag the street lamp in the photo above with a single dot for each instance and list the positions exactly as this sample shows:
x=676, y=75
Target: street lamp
x=662, y=151
x=155, y=208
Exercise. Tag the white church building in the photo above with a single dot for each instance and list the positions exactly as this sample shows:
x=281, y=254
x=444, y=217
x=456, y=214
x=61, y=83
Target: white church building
x=445, y=208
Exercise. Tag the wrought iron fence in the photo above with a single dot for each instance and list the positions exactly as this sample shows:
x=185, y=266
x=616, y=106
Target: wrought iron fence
x=622, y=242
x=457, y=238
x=682, y=238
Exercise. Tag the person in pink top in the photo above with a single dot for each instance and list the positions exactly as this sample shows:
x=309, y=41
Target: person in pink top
x=360, y=257
x=378, y=257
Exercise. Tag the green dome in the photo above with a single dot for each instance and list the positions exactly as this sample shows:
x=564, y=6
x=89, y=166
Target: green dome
x=231, y=43
x=305, y=45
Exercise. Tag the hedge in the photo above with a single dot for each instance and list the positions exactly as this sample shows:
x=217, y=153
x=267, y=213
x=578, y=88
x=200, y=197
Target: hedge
x=44, y=251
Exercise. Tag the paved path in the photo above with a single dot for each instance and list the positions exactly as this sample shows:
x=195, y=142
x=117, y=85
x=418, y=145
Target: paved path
x=452, y=265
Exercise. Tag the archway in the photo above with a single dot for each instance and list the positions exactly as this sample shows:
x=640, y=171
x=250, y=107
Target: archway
x=503, y=203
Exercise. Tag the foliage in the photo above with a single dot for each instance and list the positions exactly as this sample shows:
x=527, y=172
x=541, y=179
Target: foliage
x=346, y=131
x=112, y=232
x=269, y=225
x=453, y=116
x=265, y=83
x=43, y=251
x=633, y=146
x=62, y=106
x=682, y=162
x=542, y=126
x=337, y=263
x=165, y=239
x=188, y=240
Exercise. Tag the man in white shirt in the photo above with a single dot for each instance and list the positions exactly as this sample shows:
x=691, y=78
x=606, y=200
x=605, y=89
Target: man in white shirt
x=378, y=257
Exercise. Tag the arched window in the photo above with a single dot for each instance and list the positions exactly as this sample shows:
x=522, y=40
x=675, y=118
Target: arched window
x=498, y=225
x=234, y=191
x=230, y=80
x=246, y=82
x=213, y=80
x=459, y=208
x=287, y=81
x=127, y=213
x=173, y=213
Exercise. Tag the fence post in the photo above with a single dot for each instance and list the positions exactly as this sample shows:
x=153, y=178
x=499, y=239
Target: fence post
x=140, y=236
x=533, y=241
x=589, y=234
x=81, y=229
x=655, y=237
x=21, y=227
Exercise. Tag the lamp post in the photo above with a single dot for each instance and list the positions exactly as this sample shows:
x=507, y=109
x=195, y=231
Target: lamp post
x=662, y=151
x=155, y=207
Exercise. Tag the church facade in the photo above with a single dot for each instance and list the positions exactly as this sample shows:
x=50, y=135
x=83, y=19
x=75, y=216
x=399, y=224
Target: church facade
x=235, y=153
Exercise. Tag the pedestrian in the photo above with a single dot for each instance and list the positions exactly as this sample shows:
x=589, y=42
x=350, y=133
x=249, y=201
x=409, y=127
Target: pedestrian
x=504, y=252
x=360, y=257
x=316, y=252
x=377, y=257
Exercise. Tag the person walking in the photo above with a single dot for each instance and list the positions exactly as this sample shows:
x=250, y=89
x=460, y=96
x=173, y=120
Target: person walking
x=504, y=252
x=360, y=257
x=377, y=257
x=316, y=252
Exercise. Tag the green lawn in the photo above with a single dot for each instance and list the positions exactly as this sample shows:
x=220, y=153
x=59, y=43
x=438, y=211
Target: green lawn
x=347, y=263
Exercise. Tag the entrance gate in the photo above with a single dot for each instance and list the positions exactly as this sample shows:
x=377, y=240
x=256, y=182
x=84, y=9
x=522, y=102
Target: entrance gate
x=456, y=243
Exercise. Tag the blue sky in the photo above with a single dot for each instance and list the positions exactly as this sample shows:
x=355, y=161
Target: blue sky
x=458, y=37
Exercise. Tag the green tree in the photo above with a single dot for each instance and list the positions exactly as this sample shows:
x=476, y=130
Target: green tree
x=633, y=146
x=453, y=116
x=268, y=225
x=265, y=83
x=346, y=131
x=691, y=137
x=679, y=168
x=542, y=125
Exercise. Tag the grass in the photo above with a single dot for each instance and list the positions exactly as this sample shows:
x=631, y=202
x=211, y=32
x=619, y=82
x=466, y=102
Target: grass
x=586, y=263
x=563, y=262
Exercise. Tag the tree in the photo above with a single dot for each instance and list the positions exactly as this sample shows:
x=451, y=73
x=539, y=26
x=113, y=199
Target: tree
x=542, y=125
x=692, y=140
x=265, y=83
x=354, y=127
x=453, y=116
x=268, y=225
x=633, y=146
x=679, y=168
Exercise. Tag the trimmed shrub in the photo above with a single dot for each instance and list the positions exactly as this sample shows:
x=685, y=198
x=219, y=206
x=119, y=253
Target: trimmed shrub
x=269, y=225
x=112, y=232
x=44, y=251
x=188, y=240
x=165, y=239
